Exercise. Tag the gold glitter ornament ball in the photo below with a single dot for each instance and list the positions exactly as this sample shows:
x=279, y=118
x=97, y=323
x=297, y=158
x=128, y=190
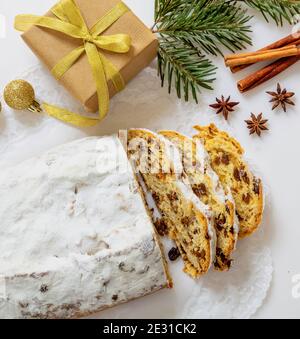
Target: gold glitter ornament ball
x=19, y=95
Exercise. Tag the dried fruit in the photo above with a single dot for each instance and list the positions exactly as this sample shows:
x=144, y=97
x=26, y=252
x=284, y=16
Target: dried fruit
x=161, y=227
x=281, y=97
x=200, y=190
x=256, y=186
x=172, y=196
x=156, y=198
x=115, y=297
x=174, y=254
x=240, y=218
x=217, y=161
x=223, y=258
x=186, y=221
x=225, y=159
x=245, y=177
x=218, y=251
x=247, y=198
x=224, y=106
x=237, y=175
x=202, y=255
x=44, y=289
x=220, y=222
x=257, y=124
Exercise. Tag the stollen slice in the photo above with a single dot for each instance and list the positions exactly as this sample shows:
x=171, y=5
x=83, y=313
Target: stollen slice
x=226, y=158
x=206, y=185
x=188, y=221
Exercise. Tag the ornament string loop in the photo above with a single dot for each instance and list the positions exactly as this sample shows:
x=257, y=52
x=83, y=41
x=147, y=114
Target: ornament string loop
x=68, y=20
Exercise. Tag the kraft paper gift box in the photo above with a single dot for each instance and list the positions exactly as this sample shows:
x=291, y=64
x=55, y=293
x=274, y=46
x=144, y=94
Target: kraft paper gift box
x=51, y=46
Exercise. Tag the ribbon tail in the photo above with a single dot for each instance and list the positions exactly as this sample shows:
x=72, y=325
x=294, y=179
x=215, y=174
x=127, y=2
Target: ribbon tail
x=69, y=117
x=113, y=74
x=98, y=71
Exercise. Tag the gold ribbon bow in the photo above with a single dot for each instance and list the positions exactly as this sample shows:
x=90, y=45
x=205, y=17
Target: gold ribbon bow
x=70, y=22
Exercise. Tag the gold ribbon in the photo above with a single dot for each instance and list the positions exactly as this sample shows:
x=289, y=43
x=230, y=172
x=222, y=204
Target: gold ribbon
x=68, y=20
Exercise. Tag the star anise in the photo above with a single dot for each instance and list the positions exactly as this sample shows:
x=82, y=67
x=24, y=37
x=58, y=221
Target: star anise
x=281, y=97
x=224, y=106
x=257, y=124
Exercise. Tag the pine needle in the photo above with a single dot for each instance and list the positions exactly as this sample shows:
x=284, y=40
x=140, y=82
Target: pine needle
x=185, y=67
x=277, y=10
x=208, y=24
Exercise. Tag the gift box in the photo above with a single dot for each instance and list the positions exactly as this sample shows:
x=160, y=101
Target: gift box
x=52, y=46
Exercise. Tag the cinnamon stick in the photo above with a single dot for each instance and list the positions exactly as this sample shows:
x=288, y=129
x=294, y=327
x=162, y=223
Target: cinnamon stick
x=292, y=39
x=266, y=73
x=253, y=57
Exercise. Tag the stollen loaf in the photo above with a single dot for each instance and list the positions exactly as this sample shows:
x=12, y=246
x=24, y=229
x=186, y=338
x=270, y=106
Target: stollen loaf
x=75, y=234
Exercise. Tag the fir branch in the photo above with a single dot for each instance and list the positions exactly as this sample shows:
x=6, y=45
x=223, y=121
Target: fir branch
x=209, y=24
x=184, y=66
x=189, y=28
x=277, y=10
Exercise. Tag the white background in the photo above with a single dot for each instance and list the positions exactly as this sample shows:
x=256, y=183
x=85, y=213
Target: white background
x=277, y=153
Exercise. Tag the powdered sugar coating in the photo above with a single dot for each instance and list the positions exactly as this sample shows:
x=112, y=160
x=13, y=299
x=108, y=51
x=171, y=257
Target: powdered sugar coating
x=75, y=234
